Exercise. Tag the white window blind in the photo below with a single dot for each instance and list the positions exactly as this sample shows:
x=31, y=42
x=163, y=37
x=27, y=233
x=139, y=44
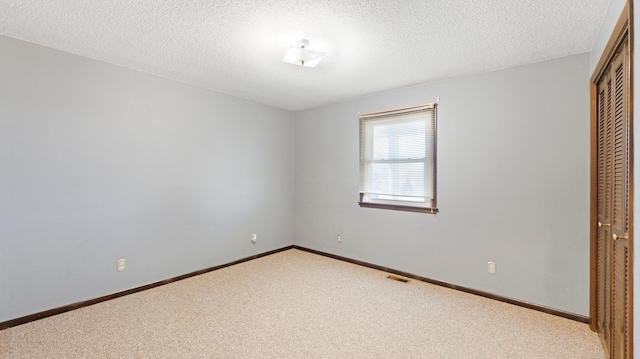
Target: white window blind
x=397, y=159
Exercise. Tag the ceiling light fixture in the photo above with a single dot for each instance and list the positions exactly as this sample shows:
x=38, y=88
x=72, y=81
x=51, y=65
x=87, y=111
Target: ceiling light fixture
x=301, y=55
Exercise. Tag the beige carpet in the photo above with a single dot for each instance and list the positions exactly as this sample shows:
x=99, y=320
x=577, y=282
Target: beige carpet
x=299, y=305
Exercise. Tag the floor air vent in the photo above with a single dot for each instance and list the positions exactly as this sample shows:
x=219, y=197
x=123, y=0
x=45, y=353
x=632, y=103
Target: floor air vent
x=398, y=279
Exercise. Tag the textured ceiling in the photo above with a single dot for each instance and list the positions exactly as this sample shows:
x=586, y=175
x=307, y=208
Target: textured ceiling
x=236, y=46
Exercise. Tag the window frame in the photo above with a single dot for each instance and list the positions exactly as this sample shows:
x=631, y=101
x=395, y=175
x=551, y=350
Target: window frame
x=427, y=206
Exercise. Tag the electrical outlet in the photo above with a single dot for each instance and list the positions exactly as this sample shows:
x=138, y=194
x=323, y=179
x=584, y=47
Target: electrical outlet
x=254, y=238
x=491, y=267
x=339, y=238
x=122, y=265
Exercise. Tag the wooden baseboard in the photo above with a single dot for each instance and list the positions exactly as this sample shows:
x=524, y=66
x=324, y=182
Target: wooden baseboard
x=560, y=313
x=86, y=303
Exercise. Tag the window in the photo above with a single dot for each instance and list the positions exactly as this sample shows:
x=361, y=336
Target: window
x=398, y=159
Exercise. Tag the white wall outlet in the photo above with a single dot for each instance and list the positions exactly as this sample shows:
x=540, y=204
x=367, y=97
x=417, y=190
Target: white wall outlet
x=254, y=238
x=122, y=265
x=339, y=238
x=491, y=267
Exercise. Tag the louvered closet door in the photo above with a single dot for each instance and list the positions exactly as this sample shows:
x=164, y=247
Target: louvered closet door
x=613, y=208
x=604, y=210
x=620, y=340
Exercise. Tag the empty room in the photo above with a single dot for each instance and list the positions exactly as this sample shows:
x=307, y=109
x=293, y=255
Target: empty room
x=329, y=179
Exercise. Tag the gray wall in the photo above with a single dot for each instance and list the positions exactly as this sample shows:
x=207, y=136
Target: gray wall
x=100, y=162
x=513, y=185
x=606, y=29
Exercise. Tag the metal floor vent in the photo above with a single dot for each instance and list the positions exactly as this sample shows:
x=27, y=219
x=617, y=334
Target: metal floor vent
x=398, y=279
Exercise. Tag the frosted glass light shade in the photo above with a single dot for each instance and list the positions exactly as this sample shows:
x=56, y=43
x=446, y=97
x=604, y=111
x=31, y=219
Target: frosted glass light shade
x=300, y=55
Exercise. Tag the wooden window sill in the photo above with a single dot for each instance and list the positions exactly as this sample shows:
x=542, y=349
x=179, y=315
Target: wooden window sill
x=399, y=208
